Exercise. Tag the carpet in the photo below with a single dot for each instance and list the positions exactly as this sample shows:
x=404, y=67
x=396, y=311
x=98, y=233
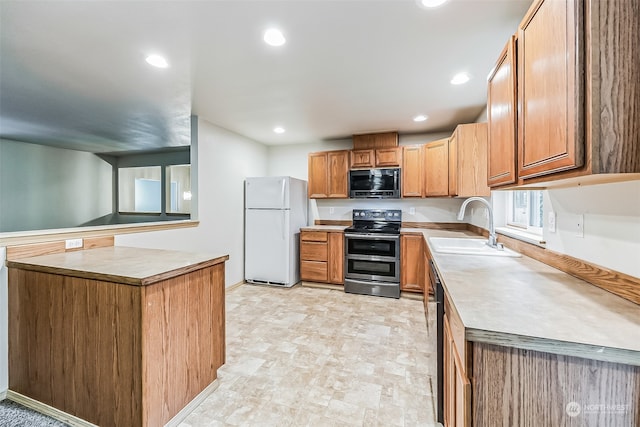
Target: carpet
x=13, y=414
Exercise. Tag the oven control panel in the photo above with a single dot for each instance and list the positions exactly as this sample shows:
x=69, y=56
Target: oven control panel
x=389, y=215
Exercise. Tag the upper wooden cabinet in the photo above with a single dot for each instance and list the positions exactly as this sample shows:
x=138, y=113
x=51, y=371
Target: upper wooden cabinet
x=329, y=175
x=412, y=174
x=436, y=175
x=550, y=88
x=501, y=116
x=468, y=161
x=388, y=157
x=378, y=158
x=363, y=159
x=375, y=140
x=578, y=102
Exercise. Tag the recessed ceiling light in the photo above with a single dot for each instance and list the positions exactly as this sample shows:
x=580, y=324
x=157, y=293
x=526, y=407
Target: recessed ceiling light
x=432, y=3
x=420, y=118
x=157, y=61
x=278, y=129
x=274, y=37
x=460, y=78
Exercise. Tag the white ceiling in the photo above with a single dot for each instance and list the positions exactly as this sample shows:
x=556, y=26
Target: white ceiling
x=72, y=73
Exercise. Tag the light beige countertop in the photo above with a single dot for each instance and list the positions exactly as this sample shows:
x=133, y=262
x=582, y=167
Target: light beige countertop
x=133, y=266
x=324, y=228
x=521, y=302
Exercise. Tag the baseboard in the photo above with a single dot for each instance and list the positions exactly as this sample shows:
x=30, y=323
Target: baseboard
x=329, y=286
x=412, y=295
x=236, y=286
x=3, y=395
x=47, y=410
x=184, y=413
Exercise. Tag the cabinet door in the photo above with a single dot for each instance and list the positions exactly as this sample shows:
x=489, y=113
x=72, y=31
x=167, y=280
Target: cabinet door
x=362, y=159
x=411, y=260
x=412, y=171
x=453, y=164
x=501, y=117
x=336, y=258
x=449, y=377
x=550, y=88
x=462, y=392
x=388, y=157
x=472, y=160
x=436, y=161
x=338, y=174
x=318, y=176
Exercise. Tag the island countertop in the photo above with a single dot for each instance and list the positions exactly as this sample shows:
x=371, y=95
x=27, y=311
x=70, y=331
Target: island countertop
x=120, y=264
x=521, y=302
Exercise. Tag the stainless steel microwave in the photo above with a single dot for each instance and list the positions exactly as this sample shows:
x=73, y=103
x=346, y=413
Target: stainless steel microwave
x=374, y=184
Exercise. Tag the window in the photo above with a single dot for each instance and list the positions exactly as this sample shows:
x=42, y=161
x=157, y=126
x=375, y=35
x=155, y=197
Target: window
x=178, y=189
x=139, y=189
x=524, y=210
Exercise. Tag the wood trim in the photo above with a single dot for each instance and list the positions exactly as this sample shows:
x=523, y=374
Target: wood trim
x=340, y=222
x=318, y=285
x=47, y=410
x=236, y=286
x=620, y=284
x=27, y=237
x=36, y=249
x=436, y=225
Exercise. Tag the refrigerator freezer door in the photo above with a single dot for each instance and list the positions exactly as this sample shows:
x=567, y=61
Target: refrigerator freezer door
x=267, y=246
x=267, y=192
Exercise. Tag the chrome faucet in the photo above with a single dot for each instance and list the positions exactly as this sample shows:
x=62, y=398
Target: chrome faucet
x=492, y=231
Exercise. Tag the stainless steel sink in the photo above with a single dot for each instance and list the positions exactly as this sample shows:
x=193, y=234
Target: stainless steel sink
x=468, y=246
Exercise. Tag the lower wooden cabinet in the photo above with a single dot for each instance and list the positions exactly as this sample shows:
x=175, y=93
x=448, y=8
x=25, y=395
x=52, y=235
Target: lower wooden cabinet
x=457, y=387
x=322, y=256
x=411, y=263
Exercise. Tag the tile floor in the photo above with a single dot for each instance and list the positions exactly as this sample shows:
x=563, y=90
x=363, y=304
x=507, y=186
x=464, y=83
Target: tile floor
x=318, y=357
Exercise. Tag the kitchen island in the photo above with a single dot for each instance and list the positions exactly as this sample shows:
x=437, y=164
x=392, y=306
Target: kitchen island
x=527, y=344
x=116, y=336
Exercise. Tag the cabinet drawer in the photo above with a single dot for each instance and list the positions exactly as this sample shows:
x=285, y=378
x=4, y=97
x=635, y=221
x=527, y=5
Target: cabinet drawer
x=313, y=251
x=314, y=271
x=313, y=236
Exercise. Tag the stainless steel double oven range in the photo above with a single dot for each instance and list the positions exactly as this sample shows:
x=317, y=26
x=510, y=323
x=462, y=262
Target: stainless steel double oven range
x=372, y=253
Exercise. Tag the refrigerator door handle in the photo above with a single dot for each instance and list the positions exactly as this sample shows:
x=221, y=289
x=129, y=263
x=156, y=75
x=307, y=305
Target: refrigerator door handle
x=283, y=224
x=284, y=182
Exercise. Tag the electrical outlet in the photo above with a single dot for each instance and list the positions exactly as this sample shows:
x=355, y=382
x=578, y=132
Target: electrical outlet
x=412, y=211
x=551, y=222
x=579, y=225
x=331, y=210
x=73, y=243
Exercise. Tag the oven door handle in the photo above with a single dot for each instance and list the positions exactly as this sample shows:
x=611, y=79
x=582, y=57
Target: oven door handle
x=372, y=236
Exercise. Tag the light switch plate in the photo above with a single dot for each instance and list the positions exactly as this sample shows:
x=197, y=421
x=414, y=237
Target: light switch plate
x=412, y=211
x=551, y=222
x=73, y=243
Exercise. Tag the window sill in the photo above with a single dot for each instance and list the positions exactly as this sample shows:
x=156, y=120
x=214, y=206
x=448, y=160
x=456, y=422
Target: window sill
x=39, y=236
x=534, y=239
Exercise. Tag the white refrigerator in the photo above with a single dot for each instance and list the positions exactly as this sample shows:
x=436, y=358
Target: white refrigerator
x=275, y=209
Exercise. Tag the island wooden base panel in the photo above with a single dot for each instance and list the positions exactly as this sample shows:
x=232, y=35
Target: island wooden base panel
x=514, y=387
x=115, y=354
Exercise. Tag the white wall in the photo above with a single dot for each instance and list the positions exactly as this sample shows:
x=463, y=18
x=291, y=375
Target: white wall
x=45, y=187
x=4, y=325
x=611, y=223
x=223, y=160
